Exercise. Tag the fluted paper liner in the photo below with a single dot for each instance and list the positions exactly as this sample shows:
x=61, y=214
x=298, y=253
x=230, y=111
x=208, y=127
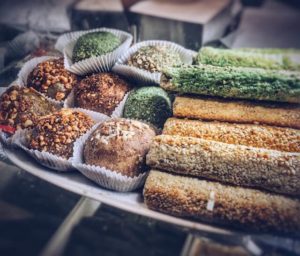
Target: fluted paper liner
x=101, y=63
x=118, y=111
x=102, y=176
x=143, y=76
x=45, y=158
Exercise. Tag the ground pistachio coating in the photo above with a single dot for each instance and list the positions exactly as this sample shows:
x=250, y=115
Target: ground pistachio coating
x=151, y=104
x=56, y=133
x=94, y=44
x=21, y=107
x=154, y=58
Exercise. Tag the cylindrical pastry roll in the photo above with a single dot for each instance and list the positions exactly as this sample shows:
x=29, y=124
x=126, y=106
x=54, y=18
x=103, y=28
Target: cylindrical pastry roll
x=260, y=136
x=286, y=115
x=234, y=164
x=243, y=208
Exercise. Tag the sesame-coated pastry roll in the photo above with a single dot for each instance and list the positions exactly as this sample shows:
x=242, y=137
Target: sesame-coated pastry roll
x=260, y=136
x=234, y=164
x=242, y=208
x=286, y=115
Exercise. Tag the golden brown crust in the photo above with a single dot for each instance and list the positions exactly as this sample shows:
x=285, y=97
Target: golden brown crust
x=234, y=164
x=286, y=115
x=101, y=92
x=57, y=133
x=261, y=136
x=120, y=145
x=242, y=208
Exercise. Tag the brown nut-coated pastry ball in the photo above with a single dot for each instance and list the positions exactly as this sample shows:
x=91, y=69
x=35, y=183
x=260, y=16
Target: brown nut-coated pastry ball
x=119, y=145
x=21, y=107
x=57, y=133
x=52, y=79
x=101, y=92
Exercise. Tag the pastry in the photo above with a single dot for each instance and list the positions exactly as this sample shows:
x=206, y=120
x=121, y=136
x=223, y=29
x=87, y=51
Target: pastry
x=119, y=145
x=242, y=208
x=101, y=92
x=21, y=107
x=52, y=79
x=154, y=58
x=239, y=165
x=260, y=136
x=94, y=44
x=234, y=82
x=56, y=133
x=248, y=58
x=286, y=115
x=151, y=104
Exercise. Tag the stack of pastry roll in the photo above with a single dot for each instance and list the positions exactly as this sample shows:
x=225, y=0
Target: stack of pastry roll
x=227, y=161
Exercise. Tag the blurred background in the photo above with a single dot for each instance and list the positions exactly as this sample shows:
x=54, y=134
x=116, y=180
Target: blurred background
x=31, y=210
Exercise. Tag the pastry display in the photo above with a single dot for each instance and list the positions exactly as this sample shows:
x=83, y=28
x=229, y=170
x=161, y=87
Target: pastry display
x=21, y=107
x=234, y=82
x=244, y=58
x=234, y=164
x=94, y=44
x=56, y=133
x=242, y=208
x=119, y=145
x=52, y=79
x=151, y=104
x=154, y=58
x=237, y=111
x=101, y=92
x=260, y=136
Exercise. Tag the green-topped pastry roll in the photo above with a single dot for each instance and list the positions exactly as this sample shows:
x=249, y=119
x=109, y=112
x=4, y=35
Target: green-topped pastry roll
x=256, y=58
x=234, y=82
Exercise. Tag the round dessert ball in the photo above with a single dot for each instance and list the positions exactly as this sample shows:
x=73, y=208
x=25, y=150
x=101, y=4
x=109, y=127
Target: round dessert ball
x=154, y=58
x=52, y=79
x=21, y=107
x=101, y=92
x=56, y=133
x=151, y=104
x=94, y=44
x=120, y=145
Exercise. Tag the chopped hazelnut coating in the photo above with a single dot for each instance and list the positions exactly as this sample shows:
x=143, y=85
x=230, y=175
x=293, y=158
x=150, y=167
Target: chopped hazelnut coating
x=57, y=133
x=52, y=79
x=260, y=136
x=21, y=107
x=101, y=92
x=234, y=164
x=242, y=208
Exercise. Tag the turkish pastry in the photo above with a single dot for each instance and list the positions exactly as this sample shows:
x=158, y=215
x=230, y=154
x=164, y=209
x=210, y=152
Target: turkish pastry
x=52, y=79
x=119, y=145
x=56, y=133
x=101, y=92
x=260, y=136
x=234, y=82
x=286, y=115
x=275, y=59
x=154, y=58
x=242, y=208
x=21, y=107
x=151, y=104
x=94, y=44
x=235, y=164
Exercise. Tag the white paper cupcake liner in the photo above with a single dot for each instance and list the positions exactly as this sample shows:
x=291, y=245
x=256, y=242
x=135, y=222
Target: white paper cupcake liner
x=101, y=63
x=102, y=176
x=47, y=159
x=118, y=112
x=143, y=76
